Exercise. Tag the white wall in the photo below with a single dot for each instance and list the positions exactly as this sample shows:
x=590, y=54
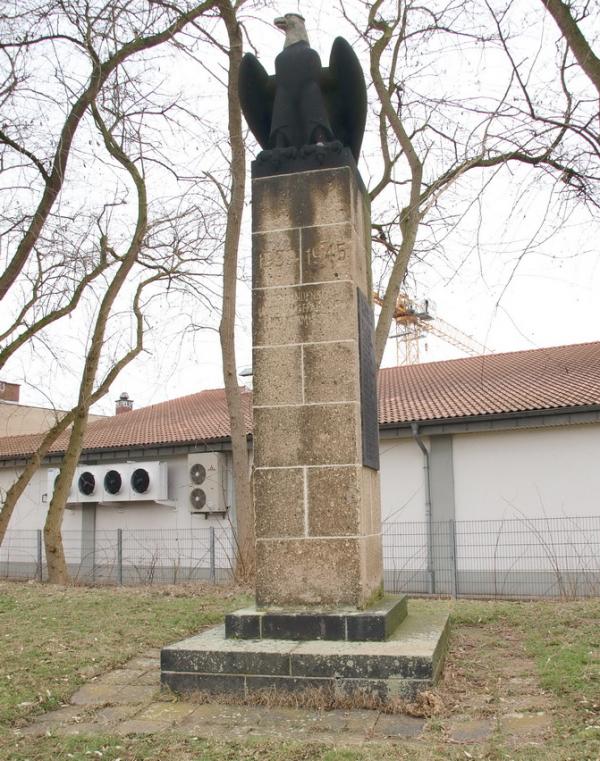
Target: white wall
x=548, y=472
x=150, y=529
x=402, y=481
x=543, y=473
x=30, y=510
x=29, y=515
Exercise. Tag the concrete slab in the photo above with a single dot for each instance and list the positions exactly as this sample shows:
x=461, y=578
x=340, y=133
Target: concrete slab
x=472, y=730
x=408, y=662
x=135, y=693
x=169, y=712
x=523, y=724
x=137, y=726
x=398, y=726
x=110, y=693
x=94, y=694
x=121, y=676
x=110, y=715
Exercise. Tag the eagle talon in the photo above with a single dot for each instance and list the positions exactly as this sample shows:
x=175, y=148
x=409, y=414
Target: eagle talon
x=320, y=153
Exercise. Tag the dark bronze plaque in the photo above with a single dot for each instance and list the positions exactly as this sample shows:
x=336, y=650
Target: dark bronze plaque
x=368, y=384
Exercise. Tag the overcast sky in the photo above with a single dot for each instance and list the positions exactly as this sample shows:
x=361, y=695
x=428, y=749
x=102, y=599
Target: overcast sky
x=484, y=285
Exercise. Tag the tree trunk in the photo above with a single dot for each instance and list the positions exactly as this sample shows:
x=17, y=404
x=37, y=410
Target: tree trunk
x=580, y=47
x=410, y=217
x=57, y=568
x=245, y=561
x=19, y=486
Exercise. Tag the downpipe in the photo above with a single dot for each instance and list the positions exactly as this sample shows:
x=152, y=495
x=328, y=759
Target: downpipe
x=414, y=427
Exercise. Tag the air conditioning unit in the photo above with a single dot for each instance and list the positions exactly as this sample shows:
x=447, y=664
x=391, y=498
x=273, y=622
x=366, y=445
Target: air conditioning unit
x=52, y=476
x=207, y=480
x=119, y=482
x=115, y=482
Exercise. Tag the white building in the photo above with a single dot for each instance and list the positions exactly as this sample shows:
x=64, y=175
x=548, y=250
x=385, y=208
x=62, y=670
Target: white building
x=17, y=419
x=489, y=479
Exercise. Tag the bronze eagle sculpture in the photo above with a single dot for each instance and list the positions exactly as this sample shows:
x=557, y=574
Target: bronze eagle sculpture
x=304, y=104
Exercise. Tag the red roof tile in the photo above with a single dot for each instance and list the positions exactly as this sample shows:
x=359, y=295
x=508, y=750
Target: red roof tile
x=522, y=381
x=197, y=417
x=539, y=379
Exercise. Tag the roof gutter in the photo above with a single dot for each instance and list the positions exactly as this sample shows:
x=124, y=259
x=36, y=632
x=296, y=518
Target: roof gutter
x=495, y=416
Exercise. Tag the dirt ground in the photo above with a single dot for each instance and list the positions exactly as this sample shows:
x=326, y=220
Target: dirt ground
x=489, y=694
x=490, y=685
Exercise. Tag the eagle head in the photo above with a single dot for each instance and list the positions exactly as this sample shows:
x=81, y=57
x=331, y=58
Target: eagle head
x=293, y=26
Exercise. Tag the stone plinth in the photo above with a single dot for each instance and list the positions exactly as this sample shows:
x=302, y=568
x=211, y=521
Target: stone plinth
x=373, y=624
x=403, y=665
x=316, y=485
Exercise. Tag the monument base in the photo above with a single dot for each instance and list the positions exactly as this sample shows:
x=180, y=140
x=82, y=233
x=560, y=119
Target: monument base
x=403, y=665
x=373, y=624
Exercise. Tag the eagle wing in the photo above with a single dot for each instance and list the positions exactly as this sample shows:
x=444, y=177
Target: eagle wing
x=343, y=84
x=257, y=91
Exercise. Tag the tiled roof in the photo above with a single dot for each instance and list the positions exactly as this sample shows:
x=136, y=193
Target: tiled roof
x=194, y=418
x=520, y=381
x=523, y=381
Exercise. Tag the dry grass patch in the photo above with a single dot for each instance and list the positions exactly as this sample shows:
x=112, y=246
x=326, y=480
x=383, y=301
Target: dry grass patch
x=522, y=681
x=426, y=704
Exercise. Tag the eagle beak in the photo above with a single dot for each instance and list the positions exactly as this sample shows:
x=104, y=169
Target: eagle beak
x=281, y=23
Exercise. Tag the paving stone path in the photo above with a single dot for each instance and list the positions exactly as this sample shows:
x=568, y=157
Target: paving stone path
x=128, y=700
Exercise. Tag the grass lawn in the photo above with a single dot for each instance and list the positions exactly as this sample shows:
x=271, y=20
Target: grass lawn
x=523, y=660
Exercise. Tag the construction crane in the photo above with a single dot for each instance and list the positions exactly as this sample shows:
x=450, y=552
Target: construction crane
x=415, y=319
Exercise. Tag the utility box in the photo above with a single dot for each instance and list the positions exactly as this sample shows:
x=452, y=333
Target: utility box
x=207, y=482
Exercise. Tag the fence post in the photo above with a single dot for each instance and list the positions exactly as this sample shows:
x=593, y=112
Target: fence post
x=453, y=556
x=120, y=556
x=39, y=569
x=213, y=569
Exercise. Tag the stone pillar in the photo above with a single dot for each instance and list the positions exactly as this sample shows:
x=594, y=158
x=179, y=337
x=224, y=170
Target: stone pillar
x=316, y=481
x=316, y=484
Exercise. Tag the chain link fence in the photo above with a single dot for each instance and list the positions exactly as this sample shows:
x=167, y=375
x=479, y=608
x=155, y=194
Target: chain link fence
x=523, y=558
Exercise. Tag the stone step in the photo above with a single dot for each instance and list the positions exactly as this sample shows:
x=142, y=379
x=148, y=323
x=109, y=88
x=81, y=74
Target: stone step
x=374, y=624
x=406, y=663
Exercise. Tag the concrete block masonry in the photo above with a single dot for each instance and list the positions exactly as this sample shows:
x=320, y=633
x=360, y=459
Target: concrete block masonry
x=374, y=624
x=403, y=665
x=316, y=495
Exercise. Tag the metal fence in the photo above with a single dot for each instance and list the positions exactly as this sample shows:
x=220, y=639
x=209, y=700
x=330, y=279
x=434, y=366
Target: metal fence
x=522, y=558
x=122, y=556
x=518, y=558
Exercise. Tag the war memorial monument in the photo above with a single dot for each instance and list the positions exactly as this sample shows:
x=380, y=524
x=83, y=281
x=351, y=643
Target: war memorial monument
x=321, y=619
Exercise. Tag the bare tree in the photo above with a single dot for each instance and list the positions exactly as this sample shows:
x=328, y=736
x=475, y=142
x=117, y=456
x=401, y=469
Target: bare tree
x=48, y=439
x=55, y=557
x=123, y=29
x=66, y=258
x=570, y=28
x=432, y=139
x=234, y=202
